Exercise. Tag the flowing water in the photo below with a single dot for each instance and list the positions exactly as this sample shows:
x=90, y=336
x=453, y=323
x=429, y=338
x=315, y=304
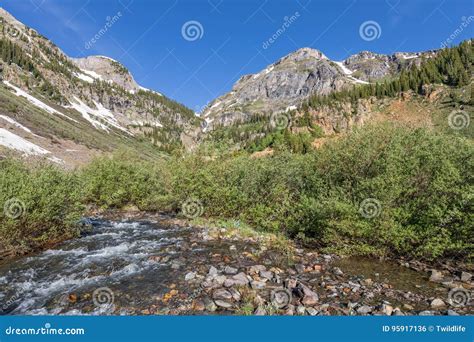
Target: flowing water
x=115, y=255
x=131, y=265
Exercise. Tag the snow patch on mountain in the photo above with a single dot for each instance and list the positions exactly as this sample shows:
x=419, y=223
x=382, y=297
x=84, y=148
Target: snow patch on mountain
x=15, y=123
x=84, y=77
x=35, y=101
x=97, y=116
x=92, y=74
x=344, y=69
x=13, y=141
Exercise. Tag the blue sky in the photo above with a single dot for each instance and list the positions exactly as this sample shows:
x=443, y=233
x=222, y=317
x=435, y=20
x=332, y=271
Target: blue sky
x=147, y=36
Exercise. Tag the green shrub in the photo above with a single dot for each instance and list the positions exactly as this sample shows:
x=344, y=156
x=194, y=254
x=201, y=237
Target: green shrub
x=381, y=190
x=420, y=183
x=40, y=205
x=123, y=179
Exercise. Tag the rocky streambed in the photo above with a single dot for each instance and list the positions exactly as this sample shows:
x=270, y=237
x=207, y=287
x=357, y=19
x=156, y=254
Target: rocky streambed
x=155, y=265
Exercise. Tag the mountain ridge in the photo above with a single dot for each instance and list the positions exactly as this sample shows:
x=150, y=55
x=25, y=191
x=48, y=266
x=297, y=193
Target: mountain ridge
x=298, y=75
x=96, y=94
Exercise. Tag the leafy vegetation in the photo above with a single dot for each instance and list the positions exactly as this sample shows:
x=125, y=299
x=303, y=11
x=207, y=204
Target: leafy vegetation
x=419, y=183
x=41, y=205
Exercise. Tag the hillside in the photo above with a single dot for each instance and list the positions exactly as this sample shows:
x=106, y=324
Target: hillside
x=433, y=91
x=71, y=108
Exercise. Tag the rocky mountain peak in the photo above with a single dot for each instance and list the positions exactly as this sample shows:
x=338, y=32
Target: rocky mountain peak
x=302, y=55
x=286, y=83
x=106, y=69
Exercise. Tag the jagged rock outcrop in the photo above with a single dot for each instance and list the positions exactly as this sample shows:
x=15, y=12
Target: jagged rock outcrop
x=284, y=85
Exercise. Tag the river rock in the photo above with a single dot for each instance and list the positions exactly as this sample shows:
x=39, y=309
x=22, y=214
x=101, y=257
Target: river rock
x=291, y=283
x=190, y=276
x=220, y=279
x=223, y=304
x=299, y=268
x=300, y=310
x=337, y=271
x=222, y=294
x=266, y=275
x=309, y=297
x=235, y=294
x=436, y=276
x=260, y=311
x=230, y=270
x=426, y=313
x=208, y=283
x=452, y=313
x=437, y=303
x=198, y=305
x=387, y=309
x=397, y=312
x=256, y=269
x=290, y=310
x=367, y=282
x=364, y=310
x=312, y=311
x=257, y=285
x=240, y=279
x=213, y=271
x=465, y=276
x=210, y=305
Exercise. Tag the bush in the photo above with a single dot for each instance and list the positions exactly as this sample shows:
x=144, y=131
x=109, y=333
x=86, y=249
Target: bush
x=381, y=190
x=40, y=205
x=123, y=179
x=420, y=185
